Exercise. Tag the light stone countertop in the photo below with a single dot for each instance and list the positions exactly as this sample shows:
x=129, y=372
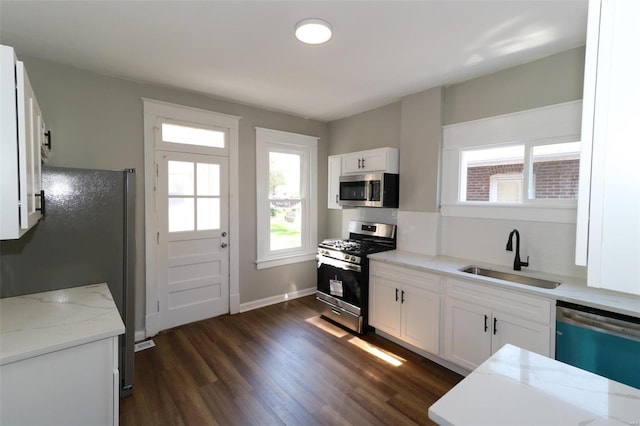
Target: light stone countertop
x=35, y=324
x=572, y=289
x=518, y=387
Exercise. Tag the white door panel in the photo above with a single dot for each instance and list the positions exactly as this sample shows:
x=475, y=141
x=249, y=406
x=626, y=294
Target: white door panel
x=193, y=259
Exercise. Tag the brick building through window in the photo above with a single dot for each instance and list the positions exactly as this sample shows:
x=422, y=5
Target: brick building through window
x=557, y=179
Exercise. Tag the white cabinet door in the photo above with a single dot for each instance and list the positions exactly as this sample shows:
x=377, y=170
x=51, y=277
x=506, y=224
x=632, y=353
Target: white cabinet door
x=375, y=160
x=20, y=149
x=609, y=204
x=30, y=131
x=73, y=386
x=333, y=185
x=528, y=335
x=384, y=305
x=421, y=318
x=467, y=333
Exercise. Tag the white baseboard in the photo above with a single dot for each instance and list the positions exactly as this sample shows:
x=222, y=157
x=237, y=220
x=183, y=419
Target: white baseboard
x=140, y=335
x=249, y=306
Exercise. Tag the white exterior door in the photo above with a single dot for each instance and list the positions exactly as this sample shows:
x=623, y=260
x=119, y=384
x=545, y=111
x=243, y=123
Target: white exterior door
x=193, y=218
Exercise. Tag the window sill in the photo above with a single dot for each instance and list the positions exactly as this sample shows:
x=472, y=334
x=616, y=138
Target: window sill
x=285, y=260
x=564, y=213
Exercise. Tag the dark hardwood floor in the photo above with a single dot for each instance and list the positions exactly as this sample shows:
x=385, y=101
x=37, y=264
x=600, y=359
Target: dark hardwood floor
x=280, y=365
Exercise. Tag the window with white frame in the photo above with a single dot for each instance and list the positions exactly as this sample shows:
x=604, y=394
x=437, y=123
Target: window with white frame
x=523, y=165
x=286, y=172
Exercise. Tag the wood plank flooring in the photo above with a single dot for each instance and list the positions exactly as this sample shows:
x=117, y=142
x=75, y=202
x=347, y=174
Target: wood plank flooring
x=279, y=365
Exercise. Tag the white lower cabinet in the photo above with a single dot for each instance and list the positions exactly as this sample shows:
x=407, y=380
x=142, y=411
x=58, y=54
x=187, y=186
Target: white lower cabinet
x=405, y=303
x=74, y=386
x=480, y=319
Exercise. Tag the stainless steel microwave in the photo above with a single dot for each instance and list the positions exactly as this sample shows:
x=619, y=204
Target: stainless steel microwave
x=369, y=190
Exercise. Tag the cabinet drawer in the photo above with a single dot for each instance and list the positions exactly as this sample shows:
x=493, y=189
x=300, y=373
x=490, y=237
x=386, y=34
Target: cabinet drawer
x=524, y=306
x=406, y=275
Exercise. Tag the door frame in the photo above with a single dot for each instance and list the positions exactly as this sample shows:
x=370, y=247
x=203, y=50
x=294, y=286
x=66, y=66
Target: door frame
x=152, y=111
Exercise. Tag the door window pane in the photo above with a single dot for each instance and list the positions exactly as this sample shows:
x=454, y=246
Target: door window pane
x=181, y=178
x=208, y=179
x=285, y=224
x=208, y=213
x=176, y=133
x=556, y=169
x=481, y=165
x=181, y=214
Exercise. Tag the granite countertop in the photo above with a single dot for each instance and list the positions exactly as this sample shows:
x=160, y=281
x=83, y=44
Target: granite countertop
x=518, y=387
x=41, y=323
x=572, y=289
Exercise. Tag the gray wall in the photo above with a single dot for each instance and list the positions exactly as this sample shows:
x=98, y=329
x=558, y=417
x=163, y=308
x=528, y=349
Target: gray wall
x=420, y=142
x=547, y=81
x=97, y=122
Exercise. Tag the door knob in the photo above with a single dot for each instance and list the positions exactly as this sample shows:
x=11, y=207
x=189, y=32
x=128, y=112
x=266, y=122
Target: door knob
x=223, y=245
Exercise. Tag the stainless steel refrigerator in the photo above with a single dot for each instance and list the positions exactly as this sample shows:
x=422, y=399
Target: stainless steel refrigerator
x=85, y=237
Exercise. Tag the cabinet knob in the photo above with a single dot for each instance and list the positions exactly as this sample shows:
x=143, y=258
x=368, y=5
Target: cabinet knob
x=224, y=245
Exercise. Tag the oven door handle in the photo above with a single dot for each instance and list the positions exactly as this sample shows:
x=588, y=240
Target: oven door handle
x=340, y=264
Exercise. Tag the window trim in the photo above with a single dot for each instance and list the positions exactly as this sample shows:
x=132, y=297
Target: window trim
x=268, y=140
x=540, y=126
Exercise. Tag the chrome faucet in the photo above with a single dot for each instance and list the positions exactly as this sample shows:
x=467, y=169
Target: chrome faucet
x=517, y=263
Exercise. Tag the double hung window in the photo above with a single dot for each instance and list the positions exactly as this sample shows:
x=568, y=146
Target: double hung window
x=286, y=197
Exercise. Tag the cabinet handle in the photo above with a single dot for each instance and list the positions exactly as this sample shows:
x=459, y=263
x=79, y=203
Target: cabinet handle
x=42, y=203
x=402, y=297
x=359, y=163
x=337, y=200
x=47, y=135
x=396, y=294
x=363, y=163
x=486, y=325
x=495, y=323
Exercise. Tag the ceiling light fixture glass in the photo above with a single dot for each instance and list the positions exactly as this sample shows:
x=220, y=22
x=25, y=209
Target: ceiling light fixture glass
x=313, y=31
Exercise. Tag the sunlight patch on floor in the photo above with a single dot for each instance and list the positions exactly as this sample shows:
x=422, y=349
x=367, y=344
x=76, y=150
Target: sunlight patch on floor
x=385, y=356
x=327, y=326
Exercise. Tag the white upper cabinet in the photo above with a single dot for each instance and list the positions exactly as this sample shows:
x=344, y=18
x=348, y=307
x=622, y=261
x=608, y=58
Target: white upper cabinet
x=385, y=160
x=21, y=147
x=333, y=188
x=608, y=232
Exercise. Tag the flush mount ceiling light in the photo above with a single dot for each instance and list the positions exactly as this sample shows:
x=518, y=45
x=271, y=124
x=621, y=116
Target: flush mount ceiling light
x=313, y=31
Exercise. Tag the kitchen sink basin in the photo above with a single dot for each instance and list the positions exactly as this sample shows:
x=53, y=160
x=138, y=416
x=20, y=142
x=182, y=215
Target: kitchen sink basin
x=506, y=276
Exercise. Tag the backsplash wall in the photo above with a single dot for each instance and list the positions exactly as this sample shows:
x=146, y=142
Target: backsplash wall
x=550, y=246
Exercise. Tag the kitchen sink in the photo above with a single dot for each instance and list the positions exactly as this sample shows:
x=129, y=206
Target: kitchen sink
x=506, y=276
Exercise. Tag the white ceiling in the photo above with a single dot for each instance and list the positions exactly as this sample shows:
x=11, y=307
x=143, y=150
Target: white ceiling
x=246, y=51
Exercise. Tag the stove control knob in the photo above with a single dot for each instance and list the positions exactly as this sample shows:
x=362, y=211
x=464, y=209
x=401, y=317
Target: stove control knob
x=353, y=258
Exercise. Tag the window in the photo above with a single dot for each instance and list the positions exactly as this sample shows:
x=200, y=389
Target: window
x=189, y=135
x=523, y=165
x=286, y=197
x=194, y=196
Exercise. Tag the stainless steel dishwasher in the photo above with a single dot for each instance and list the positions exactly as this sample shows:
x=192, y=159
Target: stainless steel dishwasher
x=605, y=343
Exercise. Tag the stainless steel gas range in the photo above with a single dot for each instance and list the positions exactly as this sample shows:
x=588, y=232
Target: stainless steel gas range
x=343, y=272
